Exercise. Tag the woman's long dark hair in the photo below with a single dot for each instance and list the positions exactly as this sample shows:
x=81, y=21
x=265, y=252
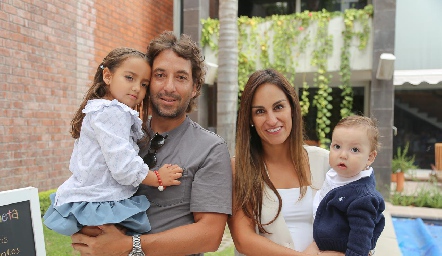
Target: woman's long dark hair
x=250, y=172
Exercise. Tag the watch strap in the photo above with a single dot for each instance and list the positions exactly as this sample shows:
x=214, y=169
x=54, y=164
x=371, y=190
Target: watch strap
x=136, y=246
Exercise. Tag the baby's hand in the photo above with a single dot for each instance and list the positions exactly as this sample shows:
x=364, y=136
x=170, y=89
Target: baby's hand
x=170, y=174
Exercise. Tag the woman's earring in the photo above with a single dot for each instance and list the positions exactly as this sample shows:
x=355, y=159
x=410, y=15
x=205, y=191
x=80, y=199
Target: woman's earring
x=252, y=125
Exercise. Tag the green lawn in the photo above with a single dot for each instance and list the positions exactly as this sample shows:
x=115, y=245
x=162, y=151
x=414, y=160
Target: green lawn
x=226, y=252
x=56, y=244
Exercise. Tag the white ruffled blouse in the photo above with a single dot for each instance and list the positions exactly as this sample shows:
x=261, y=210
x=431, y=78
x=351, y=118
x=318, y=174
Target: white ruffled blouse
x=105, y=164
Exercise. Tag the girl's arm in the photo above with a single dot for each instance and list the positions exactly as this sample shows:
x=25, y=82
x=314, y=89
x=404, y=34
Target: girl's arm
x=123, y=161
x=168, y=174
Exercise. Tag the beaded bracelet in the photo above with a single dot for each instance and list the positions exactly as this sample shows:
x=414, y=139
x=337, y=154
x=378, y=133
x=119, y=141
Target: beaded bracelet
x=160, y=187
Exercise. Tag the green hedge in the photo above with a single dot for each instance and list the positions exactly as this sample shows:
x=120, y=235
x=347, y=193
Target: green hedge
x=45, y=202
x=426, y=196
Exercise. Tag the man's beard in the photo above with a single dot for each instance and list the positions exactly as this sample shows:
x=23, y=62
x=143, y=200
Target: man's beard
x=168, y=114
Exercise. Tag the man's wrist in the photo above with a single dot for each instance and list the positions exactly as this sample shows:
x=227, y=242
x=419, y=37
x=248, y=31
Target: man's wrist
x=136, y=246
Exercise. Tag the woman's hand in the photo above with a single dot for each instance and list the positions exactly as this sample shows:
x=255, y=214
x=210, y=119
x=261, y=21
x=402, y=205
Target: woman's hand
x=312, y=249
x=102, y=240
x=331, y=253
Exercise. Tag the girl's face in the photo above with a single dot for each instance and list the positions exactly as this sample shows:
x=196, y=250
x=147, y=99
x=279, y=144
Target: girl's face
x=271, y=114
x=350, y=151
x=129, y=82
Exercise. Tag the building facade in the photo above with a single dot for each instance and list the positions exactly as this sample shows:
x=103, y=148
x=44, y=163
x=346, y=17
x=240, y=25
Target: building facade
x=49, y=52
x=372, y=96
x=418, y=79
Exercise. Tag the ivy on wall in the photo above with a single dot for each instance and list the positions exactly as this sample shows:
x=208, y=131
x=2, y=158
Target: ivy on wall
x=350, y=16
x=280, y=41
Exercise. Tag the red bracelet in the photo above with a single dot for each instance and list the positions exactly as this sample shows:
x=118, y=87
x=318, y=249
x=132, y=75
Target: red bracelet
x=160, y=187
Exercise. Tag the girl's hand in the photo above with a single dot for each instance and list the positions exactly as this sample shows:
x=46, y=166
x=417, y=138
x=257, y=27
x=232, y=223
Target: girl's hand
x=170, y=174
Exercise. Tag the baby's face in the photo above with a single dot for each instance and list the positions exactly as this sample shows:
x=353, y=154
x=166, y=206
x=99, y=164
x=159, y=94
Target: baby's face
x=350, y=151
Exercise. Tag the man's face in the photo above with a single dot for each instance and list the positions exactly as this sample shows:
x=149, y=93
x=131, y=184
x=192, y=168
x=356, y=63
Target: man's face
x=171, y=87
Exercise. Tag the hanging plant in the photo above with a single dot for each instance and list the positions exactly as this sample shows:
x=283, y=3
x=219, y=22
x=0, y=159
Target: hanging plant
x=210, y=29
x=304, y=102
x=278, y=42
x=322, y=50
x=350, y=16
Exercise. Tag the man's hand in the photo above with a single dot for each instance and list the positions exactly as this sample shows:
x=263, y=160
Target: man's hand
x=102, y=240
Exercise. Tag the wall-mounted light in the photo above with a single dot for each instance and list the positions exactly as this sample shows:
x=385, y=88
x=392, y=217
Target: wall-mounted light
x=212, y=70
x=386, y=66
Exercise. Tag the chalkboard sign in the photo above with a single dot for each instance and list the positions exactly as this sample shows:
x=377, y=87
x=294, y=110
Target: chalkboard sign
x=21, y=230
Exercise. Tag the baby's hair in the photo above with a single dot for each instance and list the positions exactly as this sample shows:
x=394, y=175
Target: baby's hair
x=99, y=88
x=370, y=124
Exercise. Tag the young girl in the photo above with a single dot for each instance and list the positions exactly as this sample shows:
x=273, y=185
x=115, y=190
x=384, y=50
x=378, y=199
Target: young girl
x=106, y=169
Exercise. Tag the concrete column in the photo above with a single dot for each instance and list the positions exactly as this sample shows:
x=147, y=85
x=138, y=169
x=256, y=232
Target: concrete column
x=382, y=91
x=193, y=12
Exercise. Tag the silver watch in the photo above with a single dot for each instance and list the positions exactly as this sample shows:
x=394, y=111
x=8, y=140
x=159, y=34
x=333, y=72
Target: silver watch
x=136, y=246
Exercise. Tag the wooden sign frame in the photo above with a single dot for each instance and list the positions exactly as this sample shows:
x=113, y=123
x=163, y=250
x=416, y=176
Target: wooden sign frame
x=28, y=194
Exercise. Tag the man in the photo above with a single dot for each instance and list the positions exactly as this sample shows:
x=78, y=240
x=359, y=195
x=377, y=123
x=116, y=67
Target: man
x=188, y=218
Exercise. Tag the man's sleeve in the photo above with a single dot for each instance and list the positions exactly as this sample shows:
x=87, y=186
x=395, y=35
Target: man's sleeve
x=212, y=184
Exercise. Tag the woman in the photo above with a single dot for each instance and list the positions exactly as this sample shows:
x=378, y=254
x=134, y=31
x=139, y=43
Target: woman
x=273, y=185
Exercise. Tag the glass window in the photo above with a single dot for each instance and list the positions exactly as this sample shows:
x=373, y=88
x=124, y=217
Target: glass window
x=264, y=8
x=418, y=122
x=332, y=5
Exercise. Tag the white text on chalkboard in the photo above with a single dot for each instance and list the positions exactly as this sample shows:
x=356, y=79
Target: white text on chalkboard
x=10, y=252
x=9, y=215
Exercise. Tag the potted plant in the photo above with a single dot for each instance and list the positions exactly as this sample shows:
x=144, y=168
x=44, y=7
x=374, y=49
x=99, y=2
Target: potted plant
x=400, y=165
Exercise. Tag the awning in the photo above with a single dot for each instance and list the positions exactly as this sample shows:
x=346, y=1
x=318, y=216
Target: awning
x=415, y=77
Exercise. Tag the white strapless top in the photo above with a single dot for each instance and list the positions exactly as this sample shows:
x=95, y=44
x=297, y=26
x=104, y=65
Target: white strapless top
x=298, y=216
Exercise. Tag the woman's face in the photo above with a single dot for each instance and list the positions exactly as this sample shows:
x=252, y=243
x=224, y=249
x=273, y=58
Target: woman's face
x=271, y=114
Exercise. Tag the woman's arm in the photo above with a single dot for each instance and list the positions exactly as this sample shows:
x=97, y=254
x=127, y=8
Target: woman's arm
x=248, y=242
x=245, y=238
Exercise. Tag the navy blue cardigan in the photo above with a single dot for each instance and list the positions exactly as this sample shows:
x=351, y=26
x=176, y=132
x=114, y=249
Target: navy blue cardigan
x=349, y=219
